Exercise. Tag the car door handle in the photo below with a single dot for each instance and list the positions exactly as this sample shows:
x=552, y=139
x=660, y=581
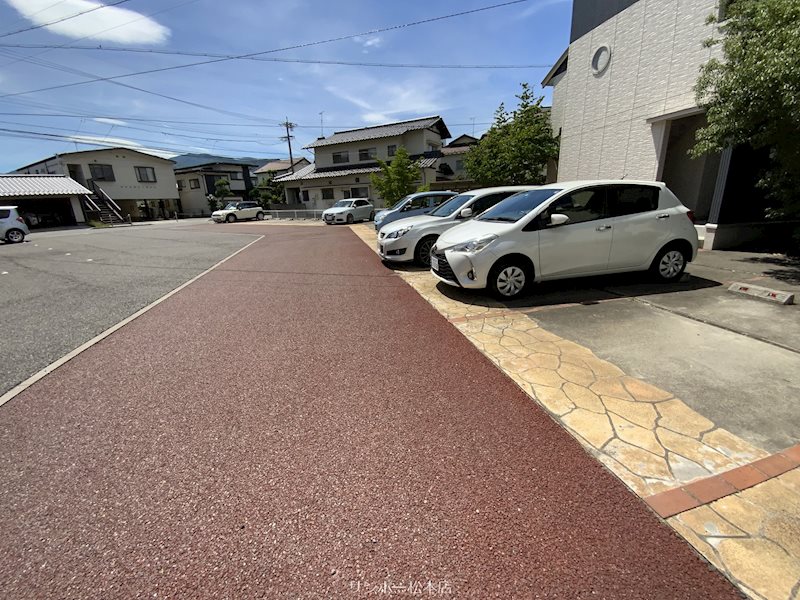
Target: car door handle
x=603, y=227
x=663, y=216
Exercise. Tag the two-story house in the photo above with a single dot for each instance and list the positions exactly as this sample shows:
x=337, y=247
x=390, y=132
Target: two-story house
x=344, y=161
x=277, y=168
x=138, y=184
x=197, y=182
x=451, y=165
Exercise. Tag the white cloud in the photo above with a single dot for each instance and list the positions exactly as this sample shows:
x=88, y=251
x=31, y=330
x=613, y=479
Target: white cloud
x=375, y=41
x=109, y=23
x=115, y=122
x=537, y=6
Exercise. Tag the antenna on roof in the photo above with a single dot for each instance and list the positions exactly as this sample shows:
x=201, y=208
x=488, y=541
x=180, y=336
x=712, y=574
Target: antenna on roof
x=321, y=126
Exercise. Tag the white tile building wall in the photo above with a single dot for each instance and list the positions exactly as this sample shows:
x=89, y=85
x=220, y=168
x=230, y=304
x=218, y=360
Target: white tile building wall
x=656, y=53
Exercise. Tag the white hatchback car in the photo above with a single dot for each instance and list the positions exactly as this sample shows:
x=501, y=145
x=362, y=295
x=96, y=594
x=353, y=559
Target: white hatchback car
x=238, y=211
x=411, y=239
x=13, y=228
x=349, y=211
x=566, y=230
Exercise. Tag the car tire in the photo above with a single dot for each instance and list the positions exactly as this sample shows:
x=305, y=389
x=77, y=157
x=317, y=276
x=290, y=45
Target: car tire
x=15, y=236
x=422, y=251
x=669, y=264
x=231, y=218
x=371, y=216
x=350, y=219
x=509, y=279
x=260, y=216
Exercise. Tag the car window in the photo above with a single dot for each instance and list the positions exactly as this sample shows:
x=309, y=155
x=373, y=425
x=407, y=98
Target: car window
x=418, y=202
x=398, y=204
x=632, y=199
x=438, y=200
x=361, y=202
x=515, y=207
x=448, y=208
x=4, y=214
x=581, y=206
x=482, y=204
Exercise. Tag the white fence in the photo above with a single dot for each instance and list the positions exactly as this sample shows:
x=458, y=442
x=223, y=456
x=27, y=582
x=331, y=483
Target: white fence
x=294, y=215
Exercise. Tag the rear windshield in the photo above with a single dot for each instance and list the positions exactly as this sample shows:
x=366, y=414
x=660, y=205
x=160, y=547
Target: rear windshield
x=513, y=208
x=451, y=206
x=4, y=213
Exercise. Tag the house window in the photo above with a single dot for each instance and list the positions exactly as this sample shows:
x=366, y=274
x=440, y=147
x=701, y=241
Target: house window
x=236, y=175
x=345, y=194
x=180, y=184
x=145, y=174
x=392, y=150
x=359, y=192
x=304, y=194
x=102, y=172
x=367, y=153
x=327, y=193
x=433, y=148
x=194, y=184
x=341, y=157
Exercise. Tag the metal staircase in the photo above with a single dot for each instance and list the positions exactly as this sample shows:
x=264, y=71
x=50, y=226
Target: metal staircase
x=102, y=204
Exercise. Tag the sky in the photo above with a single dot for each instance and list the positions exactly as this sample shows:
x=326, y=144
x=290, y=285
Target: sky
x=235, y=107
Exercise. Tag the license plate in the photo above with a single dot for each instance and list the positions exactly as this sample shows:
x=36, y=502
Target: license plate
x=434, y=263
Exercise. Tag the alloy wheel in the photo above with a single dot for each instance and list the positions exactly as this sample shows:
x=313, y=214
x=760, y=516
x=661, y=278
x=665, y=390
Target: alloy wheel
x=15, y=236
x=510, y=281
x=425, y=252
x=671, y=264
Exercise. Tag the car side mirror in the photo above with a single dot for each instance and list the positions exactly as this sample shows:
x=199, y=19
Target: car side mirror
x=557, y=219
x=465, y=213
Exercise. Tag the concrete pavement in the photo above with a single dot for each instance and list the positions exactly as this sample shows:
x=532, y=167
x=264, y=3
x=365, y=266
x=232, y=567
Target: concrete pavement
x=329, y=435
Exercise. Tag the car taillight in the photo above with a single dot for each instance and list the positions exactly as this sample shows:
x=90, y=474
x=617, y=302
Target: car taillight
x=690, y=214
x=21, y=220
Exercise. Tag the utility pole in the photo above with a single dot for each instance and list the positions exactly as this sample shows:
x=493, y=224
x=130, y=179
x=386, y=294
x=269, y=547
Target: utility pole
x=321, y=126
x=288, y=138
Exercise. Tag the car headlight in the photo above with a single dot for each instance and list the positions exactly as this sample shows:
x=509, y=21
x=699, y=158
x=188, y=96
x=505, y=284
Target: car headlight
x=473, y=246
x=399, y=233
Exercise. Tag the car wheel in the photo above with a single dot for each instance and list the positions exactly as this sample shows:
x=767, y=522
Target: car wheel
x=15, y=236
x=231, y=218
x=508, y=279
x=372, y=216
x=350, y=219
x=422, y=253
x=260, y=216
x=669, y=264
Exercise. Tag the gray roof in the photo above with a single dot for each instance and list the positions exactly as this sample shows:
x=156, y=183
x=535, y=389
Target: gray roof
x=40, y=185
x=279, y=165
x=381, y=131
x=111, y=148
x=310, y=172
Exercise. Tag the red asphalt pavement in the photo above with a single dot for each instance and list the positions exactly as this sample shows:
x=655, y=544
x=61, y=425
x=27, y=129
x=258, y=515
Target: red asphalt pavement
x=299, y=423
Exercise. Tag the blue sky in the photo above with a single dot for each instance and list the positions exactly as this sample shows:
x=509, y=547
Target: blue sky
x=260, y=94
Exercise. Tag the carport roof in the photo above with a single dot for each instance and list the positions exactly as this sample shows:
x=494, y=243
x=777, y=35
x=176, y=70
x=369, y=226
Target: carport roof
x=40, y=185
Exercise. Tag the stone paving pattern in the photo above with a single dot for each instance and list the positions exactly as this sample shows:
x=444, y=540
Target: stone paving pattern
x=648, y=438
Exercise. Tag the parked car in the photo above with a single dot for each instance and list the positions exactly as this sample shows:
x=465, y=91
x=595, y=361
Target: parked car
x=13, y=228
x=238, y=211
x=349, y=211
x=412, y=205
x=411, y=239
x=569, y=230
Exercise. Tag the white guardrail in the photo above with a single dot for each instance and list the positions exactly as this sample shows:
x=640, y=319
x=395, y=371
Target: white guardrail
x=294, y=214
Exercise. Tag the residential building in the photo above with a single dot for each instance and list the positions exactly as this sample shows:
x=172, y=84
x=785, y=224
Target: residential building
x=133, y=183
x=44, y=200
x=624, y=106
x=344, y=161
x=276, y=168
x=451, y=164
x=197, y=182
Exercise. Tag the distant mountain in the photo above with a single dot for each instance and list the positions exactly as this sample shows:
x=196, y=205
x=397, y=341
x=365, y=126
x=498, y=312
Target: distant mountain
x=183, y=161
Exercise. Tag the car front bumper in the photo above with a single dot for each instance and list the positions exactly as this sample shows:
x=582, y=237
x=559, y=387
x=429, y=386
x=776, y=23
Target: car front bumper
x=396, y=249
x=337, y=218
x=461, y=270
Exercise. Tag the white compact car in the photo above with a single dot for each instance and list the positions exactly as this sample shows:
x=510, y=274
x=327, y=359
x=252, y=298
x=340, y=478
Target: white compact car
x=569, y=230
x=13, y=228
x=349, y=211
x=411, y=239
x=238, y=211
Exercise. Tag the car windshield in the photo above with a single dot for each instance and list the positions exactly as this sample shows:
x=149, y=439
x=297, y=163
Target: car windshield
x=342, y=203
x=399, y=203
x=513, y=208
x=451, y=206
x=232, y=206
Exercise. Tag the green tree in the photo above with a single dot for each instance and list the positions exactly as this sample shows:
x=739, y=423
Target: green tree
x=212, y=203
x=270, y=192
x=517, y=147
x=222, y=189
x=396, y=179
x=752, y=95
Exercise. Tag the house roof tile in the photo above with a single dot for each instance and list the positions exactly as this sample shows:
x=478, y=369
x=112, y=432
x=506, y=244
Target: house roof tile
x=40, y=185
x=380, y=131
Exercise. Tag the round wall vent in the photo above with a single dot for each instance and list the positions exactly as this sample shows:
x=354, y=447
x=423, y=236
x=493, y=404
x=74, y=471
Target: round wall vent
x=601, y=60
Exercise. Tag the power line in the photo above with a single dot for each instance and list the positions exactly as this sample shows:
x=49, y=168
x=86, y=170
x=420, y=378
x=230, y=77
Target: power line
x=62, y=19
x=283, y=60
x=252, y=54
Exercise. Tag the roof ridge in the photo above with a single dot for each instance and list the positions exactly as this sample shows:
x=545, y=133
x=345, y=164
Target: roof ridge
x=388, y=124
